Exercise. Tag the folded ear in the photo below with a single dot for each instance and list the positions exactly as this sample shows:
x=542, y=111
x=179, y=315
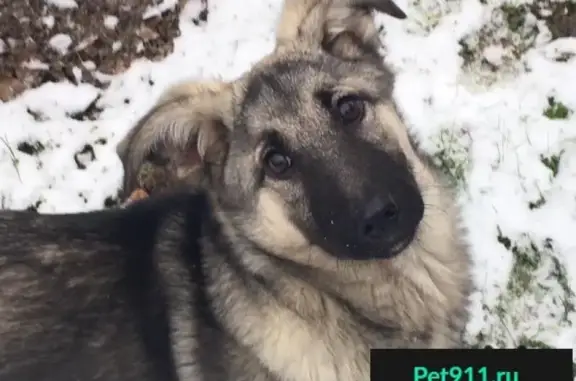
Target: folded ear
x=181, y=140
x=344, y=28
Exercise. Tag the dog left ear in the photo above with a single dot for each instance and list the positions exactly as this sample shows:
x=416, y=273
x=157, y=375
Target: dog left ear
x=350, y=31
x=385, y=6
x=344, y=28
x=184, y=135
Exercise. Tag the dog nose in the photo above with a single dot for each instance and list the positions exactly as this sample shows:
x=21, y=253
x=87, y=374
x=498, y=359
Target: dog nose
x=380, y=216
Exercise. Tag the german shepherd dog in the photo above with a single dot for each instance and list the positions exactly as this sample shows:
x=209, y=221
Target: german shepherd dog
x=319, y=232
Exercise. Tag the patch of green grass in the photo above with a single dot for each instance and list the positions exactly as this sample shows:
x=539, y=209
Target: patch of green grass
x=505, y=241
x=526, y=261
x=431, y=14
x=564, y=57
x=452, y=156
x=530, y=343
x=552, y=163
x=537, y=276
x=537, y=203
x=482, y=340
x=559, y=272
x=515, y=16
x=34, y=207
x=509, y=33
x=13, y=157
x=466, y=52
x=31, y=148
x=556, y=110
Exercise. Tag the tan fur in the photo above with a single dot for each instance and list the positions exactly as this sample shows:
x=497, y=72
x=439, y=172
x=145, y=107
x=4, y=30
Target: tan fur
x=316, y=341
x=340, y=20
x=273, y=226
x=314, y=347
x=166, y=131
x=305, y=334
x=317, y=331
x=172, y=120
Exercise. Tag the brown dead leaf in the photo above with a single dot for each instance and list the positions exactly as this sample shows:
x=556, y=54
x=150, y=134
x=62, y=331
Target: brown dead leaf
x=10, y=88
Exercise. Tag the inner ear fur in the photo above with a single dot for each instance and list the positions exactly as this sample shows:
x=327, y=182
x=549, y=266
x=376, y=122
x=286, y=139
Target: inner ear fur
x=344, y=28
x=179, y=138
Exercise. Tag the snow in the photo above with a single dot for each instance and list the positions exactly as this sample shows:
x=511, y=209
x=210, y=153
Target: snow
x=494, y=54
x=158, y=9
x=116, y=45
x=110, y=21
x=62, y=4
x=35, y=64
x=60, y=42
x=491, y=127
x=505, y=133
x=48, y=21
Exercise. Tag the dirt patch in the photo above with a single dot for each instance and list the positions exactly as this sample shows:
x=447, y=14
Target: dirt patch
x=560, y=16
x=84, y=42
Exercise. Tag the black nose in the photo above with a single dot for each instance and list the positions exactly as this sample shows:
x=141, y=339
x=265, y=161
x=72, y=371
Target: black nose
x=379, y=218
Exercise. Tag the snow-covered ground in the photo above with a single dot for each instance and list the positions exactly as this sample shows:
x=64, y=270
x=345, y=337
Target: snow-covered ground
x=493, y=103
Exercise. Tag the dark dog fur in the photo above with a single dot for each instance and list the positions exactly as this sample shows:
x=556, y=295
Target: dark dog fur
x=319, y=232
x=81, y=296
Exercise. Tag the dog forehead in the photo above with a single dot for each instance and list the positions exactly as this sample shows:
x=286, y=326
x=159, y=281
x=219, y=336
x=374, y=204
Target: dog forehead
x=281, y=93
x=285, y=80
x=278, y=78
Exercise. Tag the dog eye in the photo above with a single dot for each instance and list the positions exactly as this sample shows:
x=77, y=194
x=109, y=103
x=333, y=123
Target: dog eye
x=276, y=163
x=350, y=108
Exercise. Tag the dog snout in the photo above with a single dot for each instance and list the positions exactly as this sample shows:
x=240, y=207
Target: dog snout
x=380, y=219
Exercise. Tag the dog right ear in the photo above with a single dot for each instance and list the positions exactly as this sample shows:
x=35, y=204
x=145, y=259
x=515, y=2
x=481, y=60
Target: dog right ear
x=187, y=130
x=344, y=28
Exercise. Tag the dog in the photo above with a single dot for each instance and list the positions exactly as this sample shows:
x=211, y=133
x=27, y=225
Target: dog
x=320, y=232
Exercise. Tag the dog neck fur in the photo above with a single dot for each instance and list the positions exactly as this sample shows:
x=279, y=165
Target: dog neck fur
x=317, y=322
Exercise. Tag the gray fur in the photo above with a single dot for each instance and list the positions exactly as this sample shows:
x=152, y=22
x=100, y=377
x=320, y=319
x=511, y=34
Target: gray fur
x=250, y=276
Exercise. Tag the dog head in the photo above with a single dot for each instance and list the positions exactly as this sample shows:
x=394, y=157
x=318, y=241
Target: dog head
x=306, y=149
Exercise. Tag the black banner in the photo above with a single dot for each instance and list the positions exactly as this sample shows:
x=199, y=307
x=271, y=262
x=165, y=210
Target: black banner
x=471, y=365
